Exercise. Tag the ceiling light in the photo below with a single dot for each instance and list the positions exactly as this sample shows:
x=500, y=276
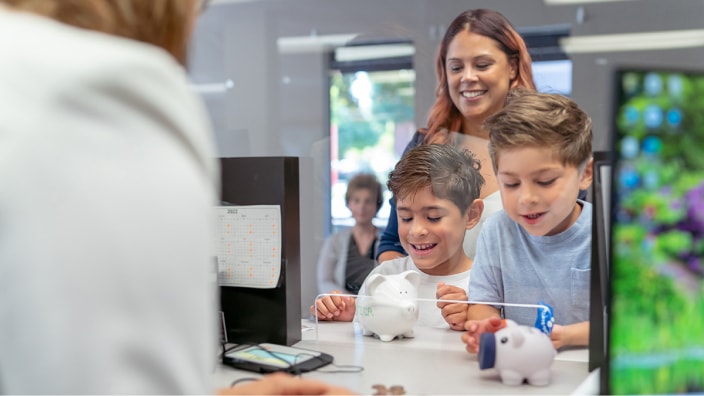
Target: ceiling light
x=377, y=51
x=213, y=88
x=633, y=41
x=312, y=43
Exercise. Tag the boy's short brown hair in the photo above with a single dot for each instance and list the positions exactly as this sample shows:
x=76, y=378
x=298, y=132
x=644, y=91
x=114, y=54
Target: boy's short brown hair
x=365, y=181
x=534, y=119
x=451, y=173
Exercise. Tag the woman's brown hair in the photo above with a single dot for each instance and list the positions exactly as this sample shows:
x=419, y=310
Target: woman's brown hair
x=443, y=115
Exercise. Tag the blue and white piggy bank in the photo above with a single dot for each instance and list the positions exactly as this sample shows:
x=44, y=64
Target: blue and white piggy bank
x=518, y=353
x=389, y=305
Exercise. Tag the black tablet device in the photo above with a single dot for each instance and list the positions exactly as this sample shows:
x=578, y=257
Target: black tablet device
x=268, y=358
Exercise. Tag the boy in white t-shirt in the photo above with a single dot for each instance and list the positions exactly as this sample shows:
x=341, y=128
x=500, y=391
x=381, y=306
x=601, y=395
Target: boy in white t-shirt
x=436, y=189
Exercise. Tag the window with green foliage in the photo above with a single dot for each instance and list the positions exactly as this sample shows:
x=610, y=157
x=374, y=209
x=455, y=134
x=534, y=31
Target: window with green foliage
x=371, y=121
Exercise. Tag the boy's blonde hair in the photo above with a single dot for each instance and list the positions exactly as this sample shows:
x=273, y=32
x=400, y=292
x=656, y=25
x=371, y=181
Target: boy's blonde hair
x=450, y=172
x=534, y=119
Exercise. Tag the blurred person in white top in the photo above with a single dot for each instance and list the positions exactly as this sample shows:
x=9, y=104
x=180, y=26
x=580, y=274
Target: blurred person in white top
x=108, y=179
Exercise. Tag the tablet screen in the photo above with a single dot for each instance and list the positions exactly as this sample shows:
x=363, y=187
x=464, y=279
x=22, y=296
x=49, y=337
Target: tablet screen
x=272, y=356
x=267, y=358
x=656, y=320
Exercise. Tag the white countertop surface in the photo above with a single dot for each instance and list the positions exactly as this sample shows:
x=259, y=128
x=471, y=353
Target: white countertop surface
x=433, y=362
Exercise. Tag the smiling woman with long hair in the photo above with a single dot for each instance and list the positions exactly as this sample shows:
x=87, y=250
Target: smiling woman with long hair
x=480, y=59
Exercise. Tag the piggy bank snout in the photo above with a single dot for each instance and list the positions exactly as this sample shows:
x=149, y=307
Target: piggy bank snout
x=409, y=307
x=487, y=351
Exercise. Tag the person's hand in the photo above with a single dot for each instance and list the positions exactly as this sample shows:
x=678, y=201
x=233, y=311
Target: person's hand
x=340, y=308
x=284, y=384
x=455, y=314
x=571, y=335
x=558, y=336
x=475, y=328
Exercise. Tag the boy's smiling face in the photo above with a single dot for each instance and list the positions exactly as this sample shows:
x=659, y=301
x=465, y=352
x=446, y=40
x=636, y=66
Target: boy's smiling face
x=432, y=231
x=538, y=191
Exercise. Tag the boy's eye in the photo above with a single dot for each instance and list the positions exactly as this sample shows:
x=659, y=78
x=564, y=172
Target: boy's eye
x=510, y=185
x=405, y=219
x=434, y=219
x=546, y=182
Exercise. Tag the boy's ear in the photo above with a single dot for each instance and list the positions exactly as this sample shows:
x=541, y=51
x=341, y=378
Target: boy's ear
x=474, y=213
x=587, y=175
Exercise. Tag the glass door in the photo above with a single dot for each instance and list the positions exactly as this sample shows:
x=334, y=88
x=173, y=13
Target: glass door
x=371, y=121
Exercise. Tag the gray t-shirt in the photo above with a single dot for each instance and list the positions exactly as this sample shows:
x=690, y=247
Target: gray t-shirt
x=512, y=266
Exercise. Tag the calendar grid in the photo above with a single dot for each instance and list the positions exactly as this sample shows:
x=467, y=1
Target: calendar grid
x=249, y=246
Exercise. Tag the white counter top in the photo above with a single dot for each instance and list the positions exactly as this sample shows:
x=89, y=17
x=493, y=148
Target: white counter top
x=433, y=362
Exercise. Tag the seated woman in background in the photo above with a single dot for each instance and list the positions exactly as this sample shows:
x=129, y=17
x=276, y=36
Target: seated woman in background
x=347, y=256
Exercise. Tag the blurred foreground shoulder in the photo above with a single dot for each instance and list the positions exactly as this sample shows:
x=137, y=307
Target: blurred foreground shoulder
x=61, y=69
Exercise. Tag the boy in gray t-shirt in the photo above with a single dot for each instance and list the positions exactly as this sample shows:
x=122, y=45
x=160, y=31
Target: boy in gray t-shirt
x=538, y=249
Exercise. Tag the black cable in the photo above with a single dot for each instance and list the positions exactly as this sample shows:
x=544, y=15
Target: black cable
x=342, y=368
x=241, y=380
x=225, y=349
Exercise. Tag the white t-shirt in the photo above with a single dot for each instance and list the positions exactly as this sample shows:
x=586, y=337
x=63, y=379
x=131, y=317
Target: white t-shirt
x=428, y=312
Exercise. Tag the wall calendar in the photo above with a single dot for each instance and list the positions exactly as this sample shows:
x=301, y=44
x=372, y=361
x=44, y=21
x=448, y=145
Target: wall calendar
x=249, y=246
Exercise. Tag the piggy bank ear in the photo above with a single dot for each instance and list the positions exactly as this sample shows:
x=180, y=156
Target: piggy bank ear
x=373, y=281
x=412, y=276
x=517, y=338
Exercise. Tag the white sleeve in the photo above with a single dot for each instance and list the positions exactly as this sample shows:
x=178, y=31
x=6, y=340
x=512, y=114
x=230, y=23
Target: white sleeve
x=106, y=217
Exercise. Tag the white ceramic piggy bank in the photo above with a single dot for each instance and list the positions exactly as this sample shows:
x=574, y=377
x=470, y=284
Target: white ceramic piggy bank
x=518, y=353
x=389, y=305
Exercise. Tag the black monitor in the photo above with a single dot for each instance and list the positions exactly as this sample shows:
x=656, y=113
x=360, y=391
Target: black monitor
x=655, y=341
x=260, y=314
